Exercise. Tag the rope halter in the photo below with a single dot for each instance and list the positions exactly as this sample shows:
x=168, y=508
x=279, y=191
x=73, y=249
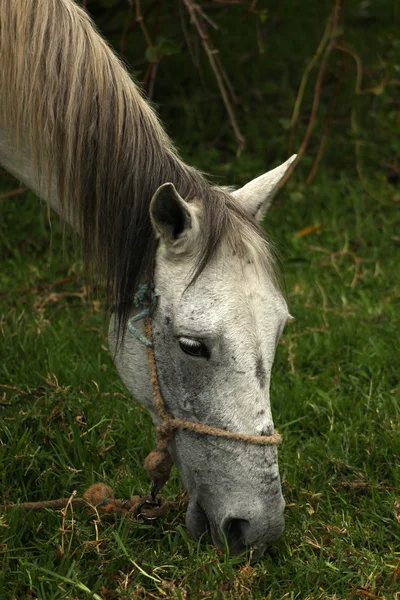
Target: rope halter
x=159, y=462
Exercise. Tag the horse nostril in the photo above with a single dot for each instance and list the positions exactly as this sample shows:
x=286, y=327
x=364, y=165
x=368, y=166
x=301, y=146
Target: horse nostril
x=234, y=531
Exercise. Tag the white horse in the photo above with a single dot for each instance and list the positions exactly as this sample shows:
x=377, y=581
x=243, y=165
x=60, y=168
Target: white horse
x=76, y=130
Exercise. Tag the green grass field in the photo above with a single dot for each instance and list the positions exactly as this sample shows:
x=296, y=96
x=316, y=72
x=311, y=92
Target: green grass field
x=66, y=420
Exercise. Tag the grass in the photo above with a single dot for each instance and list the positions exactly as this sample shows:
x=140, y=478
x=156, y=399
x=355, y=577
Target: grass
x=66, y=421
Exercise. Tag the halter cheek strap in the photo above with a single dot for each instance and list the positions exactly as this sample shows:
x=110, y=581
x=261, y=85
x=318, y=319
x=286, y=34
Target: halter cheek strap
x=159, y=462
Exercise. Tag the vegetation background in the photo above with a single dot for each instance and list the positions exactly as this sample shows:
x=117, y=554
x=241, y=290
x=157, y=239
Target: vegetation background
x=239, y=85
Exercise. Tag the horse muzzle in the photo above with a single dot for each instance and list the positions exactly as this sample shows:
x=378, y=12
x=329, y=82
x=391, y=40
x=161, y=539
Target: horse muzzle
x=239, y=524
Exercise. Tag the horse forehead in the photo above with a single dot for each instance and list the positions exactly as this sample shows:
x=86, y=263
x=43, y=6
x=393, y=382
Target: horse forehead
x=243, y=293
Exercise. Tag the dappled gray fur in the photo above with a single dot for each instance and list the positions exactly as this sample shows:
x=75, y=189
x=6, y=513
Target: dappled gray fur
x=70, y=103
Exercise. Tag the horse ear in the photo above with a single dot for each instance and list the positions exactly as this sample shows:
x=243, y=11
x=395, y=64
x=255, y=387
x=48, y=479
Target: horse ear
x=256, y=195
x=170, y=215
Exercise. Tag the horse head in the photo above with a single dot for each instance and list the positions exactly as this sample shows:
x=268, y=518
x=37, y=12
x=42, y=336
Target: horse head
x=214, y=338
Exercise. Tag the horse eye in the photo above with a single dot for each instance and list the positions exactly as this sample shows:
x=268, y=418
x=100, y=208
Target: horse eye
x=194, y=347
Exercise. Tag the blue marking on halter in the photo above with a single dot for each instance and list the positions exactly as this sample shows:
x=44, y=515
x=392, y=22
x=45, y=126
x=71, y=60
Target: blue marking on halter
x=144, y=298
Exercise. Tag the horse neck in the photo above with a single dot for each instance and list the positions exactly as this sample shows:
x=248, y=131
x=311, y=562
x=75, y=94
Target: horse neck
x=71, y=118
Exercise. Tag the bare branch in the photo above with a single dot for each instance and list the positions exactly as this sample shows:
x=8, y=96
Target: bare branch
x=211, y=52
x=317, y=90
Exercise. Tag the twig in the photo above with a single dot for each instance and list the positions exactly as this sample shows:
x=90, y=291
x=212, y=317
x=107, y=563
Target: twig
x=226, y=78
x=291, y=357
x=364, y=485
x=64, y=517
x=117, y=28
x=306, y=73
x=308, y=330
x=325, y=308
x=260, y=44
x=16, y=192
x=158, y=15
x=139, y=19
x=358, y=62
x=353, y=117
x=192, y=10
x=152, y=72
x=125, y=29
x=205, y=17
x=317, y=90
x=43, y=286
x=54, y=297
x=152, y=80
x=12, y=388
x=325, y=132
x=357, y=263
x=149, y=78
x=187, y=38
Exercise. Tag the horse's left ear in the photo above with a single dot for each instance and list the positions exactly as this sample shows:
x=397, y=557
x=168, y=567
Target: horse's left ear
x=256, y=195
x=173, y=219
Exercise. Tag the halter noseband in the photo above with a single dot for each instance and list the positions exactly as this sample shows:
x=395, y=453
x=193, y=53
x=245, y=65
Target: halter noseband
x=159, y=462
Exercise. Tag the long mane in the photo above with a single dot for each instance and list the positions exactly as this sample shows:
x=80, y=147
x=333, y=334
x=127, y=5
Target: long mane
x=95, y=140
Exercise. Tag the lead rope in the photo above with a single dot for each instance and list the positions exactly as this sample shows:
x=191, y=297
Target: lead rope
x=159, y=462
x=99, y=498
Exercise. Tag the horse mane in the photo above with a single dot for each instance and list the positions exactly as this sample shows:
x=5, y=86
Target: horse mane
x=94, y=139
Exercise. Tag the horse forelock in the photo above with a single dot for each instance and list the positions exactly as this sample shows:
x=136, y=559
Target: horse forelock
x=70, y=103
x=227, y=227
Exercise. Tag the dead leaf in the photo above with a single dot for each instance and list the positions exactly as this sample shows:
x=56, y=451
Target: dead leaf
x=316, y=228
